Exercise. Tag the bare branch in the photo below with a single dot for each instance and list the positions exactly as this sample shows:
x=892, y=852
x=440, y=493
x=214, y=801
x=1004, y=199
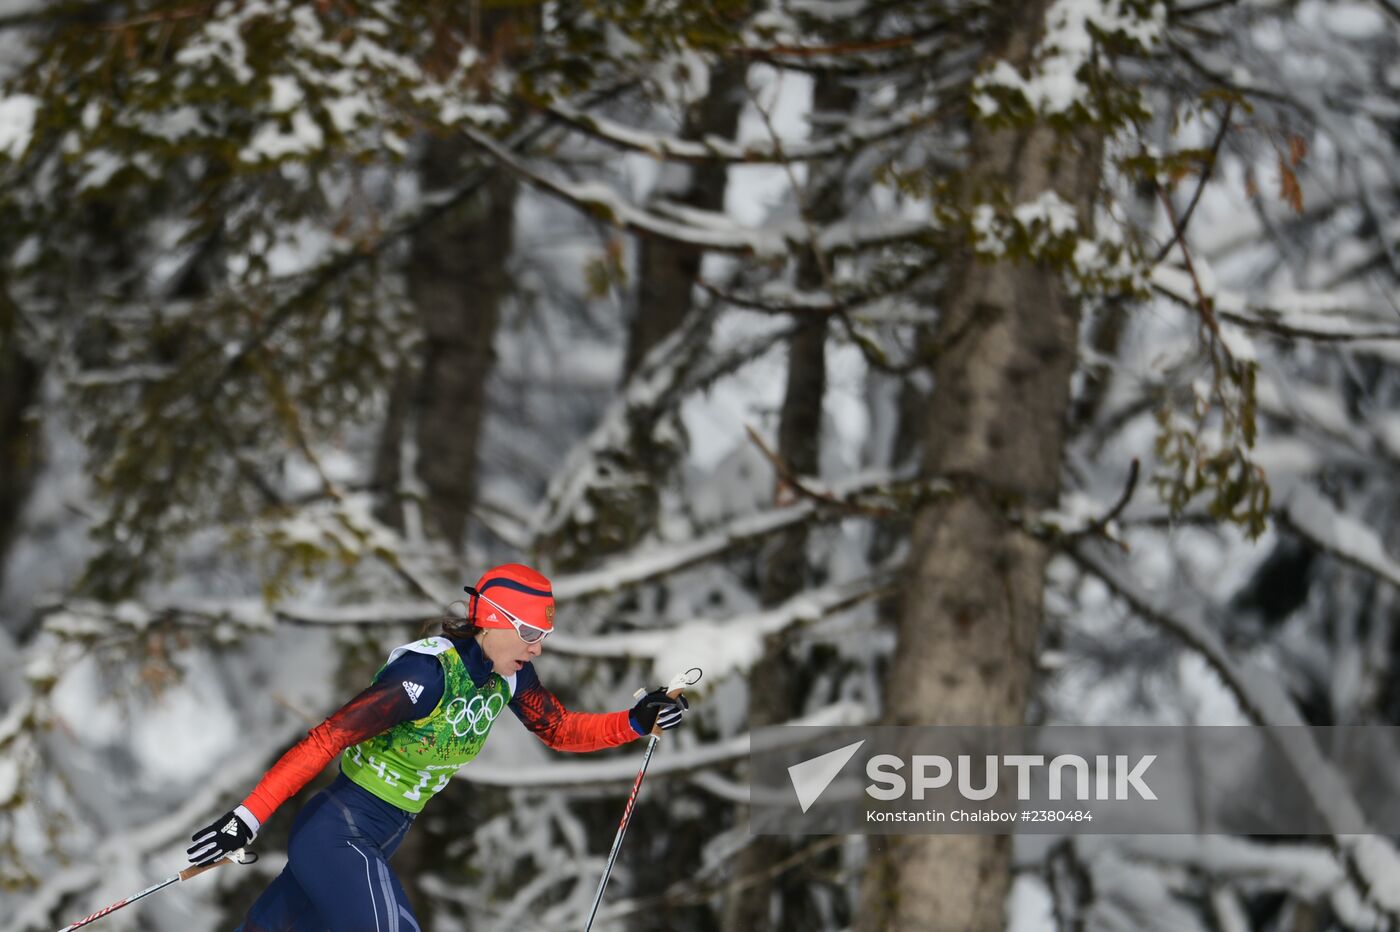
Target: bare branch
x=1099, y=526
x=753, y=628
x=1263, y=698
x=716, y=149
x=1391, y=8
x=1204, y=305
x=821, y=304
x=1180, y=229
x=1320, y=309
x=1279, y=328
x=790, y=480
x=665, y=559
x=692, y=894
x=623, y=770
x=700, y=229
x=1314, y=519
x=911, y=50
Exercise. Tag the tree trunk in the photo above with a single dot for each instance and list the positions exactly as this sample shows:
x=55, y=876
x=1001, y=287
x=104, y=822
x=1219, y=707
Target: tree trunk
x=19, y=431
x=667, y=271
x=457, y=278
x=971, y=607
x=775, y=686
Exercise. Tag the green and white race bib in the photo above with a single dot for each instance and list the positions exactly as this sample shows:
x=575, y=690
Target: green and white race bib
x=410, y=762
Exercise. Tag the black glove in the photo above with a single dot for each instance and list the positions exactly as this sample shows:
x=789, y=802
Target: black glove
x=229, y=832
x=657, y=708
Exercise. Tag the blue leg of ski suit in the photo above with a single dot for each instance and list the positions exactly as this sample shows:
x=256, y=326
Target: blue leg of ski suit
x=337, y=877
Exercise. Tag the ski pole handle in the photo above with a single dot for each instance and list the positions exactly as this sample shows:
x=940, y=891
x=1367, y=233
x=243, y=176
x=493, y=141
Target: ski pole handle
x=241, y=856
x=673, y=690
x=189, y=872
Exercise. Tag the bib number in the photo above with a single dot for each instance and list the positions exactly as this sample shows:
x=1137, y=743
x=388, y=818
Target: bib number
x=445, y=774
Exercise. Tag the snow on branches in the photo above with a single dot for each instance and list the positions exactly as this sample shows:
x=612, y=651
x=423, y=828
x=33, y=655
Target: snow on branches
x=1059, y=83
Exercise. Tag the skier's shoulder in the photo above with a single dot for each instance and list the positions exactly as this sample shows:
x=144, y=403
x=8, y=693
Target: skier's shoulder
x=416, y=662
x=423, y=647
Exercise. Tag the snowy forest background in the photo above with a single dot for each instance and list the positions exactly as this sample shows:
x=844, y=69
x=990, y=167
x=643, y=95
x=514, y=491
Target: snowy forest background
x=900, y=362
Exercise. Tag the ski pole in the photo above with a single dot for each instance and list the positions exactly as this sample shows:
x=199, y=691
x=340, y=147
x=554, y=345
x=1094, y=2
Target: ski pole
x=678, y=685
x=240, y=856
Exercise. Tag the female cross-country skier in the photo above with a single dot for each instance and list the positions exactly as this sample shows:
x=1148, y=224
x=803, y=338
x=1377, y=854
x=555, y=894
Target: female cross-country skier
x=427, y=713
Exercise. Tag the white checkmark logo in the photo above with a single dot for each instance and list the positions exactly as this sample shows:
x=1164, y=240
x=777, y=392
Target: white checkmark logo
x=811, y=777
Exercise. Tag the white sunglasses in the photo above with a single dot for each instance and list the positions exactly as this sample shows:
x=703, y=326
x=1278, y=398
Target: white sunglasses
x=527, y=632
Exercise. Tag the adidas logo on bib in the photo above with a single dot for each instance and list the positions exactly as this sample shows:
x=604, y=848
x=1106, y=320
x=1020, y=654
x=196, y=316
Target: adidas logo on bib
x=413, y=690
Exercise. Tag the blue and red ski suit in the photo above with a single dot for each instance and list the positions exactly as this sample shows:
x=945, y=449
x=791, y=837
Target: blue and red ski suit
x=337, y=876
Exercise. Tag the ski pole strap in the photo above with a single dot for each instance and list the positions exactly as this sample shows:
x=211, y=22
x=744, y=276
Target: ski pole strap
x=681, y=680
x=241, y=856
x=678, y=685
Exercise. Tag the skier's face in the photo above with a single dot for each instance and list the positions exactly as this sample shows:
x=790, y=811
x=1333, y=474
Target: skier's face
x=506, y=651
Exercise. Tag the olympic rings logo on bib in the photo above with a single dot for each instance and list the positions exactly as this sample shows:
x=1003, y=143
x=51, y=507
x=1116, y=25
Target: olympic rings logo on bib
x=474, y=717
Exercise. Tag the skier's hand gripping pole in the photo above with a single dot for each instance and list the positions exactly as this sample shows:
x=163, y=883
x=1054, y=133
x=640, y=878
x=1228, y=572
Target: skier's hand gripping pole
x=239, y=856
x=672, y=698
x=659, y=710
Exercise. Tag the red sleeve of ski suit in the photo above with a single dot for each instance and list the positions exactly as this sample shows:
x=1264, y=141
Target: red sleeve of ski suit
x=542, y=713
x=377, y=709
